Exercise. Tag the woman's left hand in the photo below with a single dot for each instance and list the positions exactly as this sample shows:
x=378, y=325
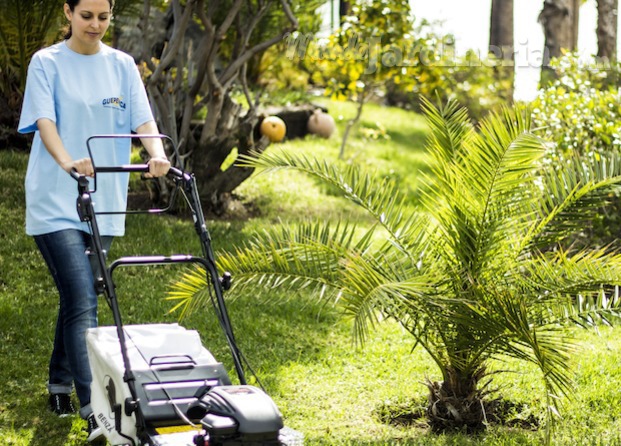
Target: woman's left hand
x=158, y=167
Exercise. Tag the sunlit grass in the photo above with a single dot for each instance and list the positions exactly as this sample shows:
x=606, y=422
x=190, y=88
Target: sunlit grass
x=301, y=350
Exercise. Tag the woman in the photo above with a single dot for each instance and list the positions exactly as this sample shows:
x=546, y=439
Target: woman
x=75, y=89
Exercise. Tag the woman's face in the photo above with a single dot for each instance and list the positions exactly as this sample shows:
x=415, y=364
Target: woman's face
x=89, y=22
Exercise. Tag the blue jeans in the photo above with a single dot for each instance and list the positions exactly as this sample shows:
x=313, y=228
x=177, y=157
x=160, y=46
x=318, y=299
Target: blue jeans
x=65, y=253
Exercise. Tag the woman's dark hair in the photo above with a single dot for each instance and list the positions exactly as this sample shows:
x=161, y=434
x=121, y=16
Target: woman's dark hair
x=72, y=4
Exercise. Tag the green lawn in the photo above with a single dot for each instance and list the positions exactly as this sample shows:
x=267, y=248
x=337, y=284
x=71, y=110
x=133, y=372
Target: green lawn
x=301, y=350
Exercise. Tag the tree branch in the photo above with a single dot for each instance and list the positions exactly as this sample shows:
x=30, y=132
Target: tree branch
x=208, y=54
x=228, y=21
x=144, y=27
x=178, y=35
x=232, y=70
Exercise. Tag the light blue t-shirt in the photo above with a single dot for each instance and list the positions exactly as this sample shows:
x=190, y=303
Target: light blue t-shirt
x=85, y=95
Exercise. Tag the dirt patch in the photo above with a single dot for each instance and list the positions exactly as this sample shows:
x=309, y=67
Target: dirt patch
x=499, y=412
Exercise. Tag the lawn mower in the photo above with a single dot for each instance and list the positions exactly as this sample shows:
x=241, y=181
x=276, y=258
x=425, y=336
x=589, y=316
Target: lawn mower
x=155, y=384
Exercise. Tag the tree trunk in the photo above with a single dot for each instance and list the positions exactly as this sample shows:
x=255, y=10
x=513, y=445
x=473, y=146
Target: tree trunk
x=559, y=19
x=234, y=133
x=501, y=28
x=362, y=99
x=501, y=43
x=202, y=57
x=607, y=29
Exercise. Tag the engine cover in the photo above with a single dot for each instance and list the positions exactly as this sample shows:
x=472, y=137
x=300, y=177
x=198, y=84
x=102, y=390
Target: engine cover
x=243, y=414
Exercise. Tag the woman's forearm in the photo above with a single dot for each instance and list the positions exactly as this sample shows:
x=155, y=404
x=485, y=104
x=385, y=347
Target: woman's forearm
x=158, y=164
x=154, y=146
x=53, y=143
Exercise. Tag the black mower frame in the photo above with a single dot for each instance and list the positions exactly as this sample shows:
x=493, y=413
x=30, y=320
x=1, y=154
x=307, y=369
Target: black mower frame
x=185, y=183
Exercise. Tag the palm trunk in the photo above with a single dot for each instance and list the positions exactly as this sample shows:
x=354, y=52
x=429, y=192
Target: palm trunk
x=457, y=402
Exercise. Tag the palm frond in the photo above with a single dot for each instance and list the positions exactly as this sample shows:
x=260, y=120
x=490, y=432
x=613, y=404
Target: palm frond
x=307, y=257
x=571, y=197
x=500, y=171
x=450, y=129
x=503, y=152
x=383, y=201
x=550, y=350
x=581, y=288
x=374, y=286
x=480, y=194
x=589, y=311
x=560, y=273
x=507, y=324
x=190, y=292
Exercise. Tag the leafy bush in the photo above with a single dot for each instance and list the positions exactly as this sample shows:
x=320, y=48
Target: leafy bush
x=384, y=53
x=470, y=80
x=280, y=73
x=580, y=113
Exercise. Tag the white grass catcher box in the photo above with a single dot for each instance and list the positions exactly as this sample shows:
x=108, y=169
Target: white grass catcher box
x=171, y=367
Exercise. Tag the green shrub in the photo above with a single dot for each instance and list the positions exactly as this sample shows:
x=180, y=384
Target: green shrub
x=470, y=80
x=280, y=73
x=581, y=113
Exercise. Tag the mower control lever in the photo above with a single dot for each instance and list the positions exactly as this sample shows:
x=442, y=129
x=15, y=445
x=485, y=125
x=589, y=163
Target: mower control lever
x=83, y=202
x=225, y=280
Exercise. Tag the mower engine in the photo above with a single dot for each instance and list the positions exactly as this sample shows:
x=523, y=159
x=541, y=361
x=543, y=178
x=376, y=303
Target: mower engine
x=238, y=415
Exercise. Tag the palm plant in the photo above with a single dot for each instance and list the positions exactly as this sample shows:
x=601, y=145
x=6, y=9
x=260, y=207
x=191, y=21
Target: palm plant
x=475, y=274
x=25, y=27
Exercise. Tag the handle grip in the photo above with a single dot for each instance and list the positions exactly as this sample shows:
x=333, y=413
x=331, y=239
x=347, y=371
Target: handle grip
x=135, y=168
x=74, y=174
x=126, y=168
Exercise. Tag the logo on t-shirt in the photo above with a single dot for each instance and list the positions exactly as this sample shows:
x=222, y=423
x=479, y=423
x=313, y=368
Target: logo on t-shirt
x=116, y=102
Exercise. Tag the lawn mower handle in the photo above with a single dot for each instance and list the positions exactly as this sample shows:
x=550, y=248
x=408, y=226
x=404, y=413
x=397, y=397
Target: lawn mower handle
x=175, y=172
x=136, y=168
x=188, y=182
